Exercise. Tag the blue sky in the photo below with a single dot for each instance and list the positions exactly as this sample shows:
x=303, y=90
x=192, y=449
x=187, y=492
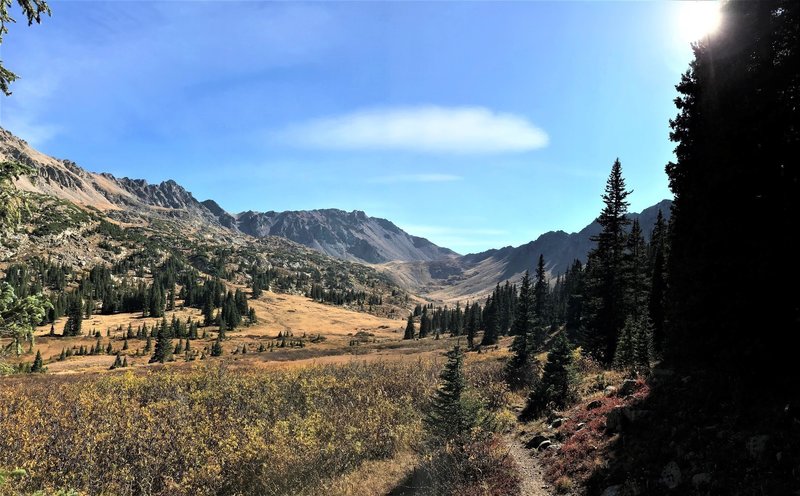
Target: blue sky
x=475, y=124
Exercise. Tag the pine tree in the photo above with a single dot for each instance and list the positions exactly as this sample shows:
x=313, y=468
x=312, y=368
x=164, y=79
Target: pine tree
x=117, y=362
x=222, y=329
x=409, y=334
x=518, y=370
x=556, y=388
x=635, y=345
x=541, y=293
x=452, y=414
x=636, y=279
x=164, y=349
x=658, y=283
x=38, y=363
x=736, y=182
x=605, y=302
x=74, y=319
x=216, y=348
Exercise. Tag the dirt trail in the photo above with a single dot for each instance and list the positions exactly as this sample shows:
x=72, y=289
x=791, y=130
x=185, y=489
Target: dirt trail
x=530, y=471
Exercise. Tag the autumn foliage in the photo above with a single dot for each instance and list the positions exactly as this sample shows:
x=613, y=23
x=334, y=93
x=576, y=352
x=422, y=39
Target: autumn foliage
x=207, y=431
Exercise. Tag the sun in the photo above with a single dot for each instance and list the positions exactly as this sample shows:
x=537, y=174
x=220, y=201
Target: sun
x=697, y=19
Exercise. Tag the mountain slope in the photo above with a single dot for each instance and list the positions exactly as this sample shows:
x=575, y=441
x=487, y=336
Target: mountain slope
x=347, y=235
x=475, y=274
x=80, y=219
x=351, y=236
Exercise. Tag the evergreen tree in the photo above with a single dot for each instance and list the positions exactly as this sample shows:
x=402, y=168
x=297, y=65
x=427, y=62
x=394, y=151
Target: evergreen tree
x=452, y=413
x=38, y=363
x=541, y=293
x=636, y=279
x=658, y=283
x=163, y=351
x=491, y=325
x=605, y=288
x=409, y=334
x=518, y=370
x=556, y=388
x=216, y=348
x=117, y=362
x=74, y=319
x=737, y=172
x=222, y=329
x=635, y=345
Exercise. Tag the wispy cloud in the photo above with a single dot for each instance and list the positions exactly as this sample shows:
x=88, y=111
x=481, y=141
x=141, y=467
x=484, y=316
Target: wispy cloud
x=415, y=178
x=420, y=129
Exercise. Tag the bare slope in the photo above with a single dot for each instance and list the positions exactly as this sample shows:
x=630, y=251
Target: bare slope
x=347, y=235
x=474, y=275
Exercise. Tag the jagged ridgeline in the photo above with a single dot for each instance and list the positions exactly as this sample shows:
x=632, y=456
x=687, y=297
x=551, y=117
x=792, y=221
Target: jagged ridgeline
x=122, y=245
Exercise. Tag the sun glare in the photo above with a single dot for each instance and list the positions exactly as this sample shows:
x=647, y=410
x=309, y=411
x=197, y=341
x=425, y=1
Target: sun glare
x=697, y=19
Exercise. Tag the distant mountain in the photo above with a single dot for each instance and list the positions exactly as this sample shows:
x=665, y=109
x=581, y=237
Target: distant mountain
x=81, y=219
x=352, y=236
x=475, y=274
x=347, y=235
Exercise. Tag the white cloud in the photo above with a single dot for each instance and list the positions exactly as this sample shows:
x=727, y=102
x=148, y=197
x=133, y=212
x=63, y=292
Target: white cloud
x=420, y=129
x=416, y=178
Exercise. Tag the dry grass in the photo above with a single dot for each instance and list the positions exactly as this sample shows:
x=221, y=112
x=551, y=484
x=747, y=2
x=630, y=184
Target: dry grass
x=380, y=339
x=277, y=313
x=372, y=478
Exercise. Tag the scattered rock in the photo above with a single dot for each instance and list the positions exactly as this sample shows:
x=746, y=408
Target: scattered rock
x=535, y=441
x=544, y=445
x=757, y=446
x=628, y=387
x=701, y=480
x=610, y=391
x=580, y=426
x=671, y=475
x=613, y=491
x=594, y=404
x=557, y=423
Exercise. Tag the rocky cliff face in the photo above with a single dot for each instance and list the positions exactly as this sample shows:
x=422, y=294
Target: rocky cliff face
x=347, y=235
x=352, y=236
x=123, y=198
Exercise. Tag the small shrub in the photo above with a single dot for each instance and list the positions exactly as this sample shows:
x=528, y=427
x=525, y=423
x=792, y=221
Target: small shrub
x=563, y=485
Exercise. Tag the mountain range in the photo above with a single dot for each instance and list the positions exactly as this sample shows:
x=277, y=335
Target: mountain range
x=412, y=262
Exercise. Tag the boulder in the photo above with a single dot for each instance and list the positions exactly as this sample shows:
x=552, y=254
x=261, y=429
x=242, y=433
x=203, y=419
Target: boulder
x=558, y=423
x=671, y=475
x=535, y=441
x=580, y=426
x=594, y=404
x=610, y=391
x=544, y=445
